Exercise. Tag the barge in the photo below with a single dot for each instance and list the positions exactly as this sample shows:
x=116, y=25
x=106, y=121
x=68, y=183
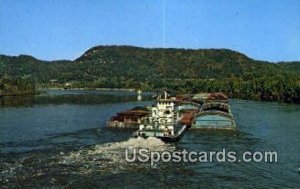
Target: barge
x=130, y=119
x=214, y=115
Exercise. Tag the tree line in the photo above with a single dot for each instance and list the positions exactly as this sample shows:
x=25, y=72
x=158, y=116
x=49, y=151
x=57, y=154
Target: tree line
x=181, y=70
x=16, y=86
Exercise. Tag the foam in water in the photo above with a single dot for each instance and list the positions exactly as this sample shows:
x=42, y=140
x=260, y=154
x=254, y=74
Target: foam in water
x=150, y=143
x=109, y=157
x=103, y=159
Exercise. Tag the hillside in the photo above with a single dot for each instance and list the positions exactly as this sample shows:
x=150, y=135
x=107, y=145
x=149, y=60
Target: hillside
x=144, y=63
x=183, y=70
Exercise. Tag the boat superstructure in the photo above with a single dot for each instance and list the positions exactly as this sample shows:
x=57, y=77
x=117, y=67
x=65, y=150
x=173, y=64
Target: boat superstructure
x=163, y=121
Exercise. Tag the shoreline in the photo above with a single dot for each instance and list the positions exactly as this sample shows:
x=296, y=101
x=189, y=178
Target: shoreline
x=41, y=90
x=254, y=98
x=19, y=94
x=90, y=89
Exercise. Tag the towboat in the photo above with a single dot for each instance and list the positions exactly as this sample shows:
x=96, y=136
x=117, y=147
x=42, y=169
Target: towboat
x=163, y=122
x=166, y=133
x=214, y=115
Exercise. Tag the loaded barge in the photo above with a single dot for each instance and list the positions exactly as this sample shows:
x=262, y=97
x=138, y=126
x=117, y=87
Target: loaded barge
x=215, y=112
x=170, y=117
x=130, y=119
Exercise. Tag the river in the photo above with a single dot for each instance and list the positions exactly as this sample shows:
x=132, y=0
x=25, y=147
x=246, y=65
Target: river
x=59, y=139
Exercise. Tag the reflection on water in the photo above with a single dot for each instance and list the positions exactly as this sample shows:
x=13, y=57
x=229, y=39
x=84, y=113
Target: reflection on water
x=59, y=139
x=8, y=101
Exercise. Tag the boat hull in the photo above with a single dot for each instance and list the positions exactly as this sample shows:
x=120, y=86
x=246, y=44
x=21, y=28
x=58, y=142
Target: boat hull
x=214, y=120
x=167, y=139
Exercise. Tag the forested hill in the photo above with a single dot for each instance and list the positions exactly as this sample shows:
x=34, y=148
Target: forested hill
x=184, y=70
x=143, y=64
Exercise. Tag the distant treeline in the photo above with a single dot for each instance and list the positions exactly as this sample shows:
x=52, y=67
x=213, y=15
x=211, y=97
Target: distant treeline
x=181, y=70
x=277, y=88
x=16, y=86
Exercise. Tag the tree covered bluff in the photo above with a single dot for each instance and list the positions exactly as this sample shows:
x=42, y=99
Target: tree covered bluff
x=182, y=70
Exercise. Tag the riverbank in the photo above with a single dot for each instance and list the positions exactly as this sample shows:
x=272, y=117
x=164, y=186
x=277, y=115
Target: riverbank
x=89, y=89
x=19, y=94
x=256, y=97
x=17, y=87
